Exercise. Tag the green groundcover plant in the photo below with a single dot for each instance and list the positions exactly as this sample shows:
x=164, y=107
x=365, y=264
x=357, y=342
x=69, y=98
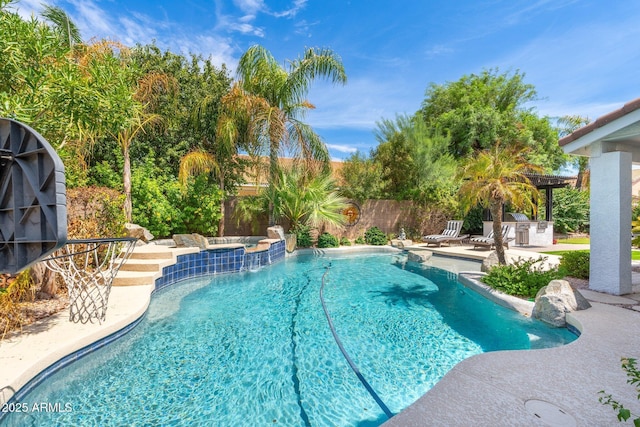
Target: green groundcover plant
x=375, y=236
x=523, y=278
x=327, y=240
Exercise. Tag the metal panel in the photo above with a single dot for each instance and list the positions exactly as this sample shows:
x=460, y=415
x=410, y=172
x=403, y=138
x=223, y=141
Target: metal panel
x=33, y=208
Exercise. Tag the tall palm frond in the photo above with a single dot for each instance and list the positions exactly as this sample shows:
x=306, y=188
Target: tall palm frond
x=68, y=31
x=496, y=176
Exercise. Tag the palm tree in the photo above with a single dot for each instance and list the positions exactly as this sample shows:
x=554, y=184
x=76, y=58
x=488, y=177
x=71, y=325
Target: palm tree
x=496, y=176
x=67, y=30
x=224, y=129
x=299, y=199
x=277, y=123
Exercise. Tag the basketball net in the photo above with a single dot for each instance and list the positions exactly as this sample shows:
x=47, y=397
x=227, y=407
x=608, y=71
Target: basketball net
x=88, y=268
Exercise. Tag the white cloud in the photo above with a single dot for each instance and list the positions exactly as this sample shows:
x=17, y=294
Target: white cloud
x=291, y=12
x=92, y=20
x=27, y=8
x=342, y=148
x=360, y=103
x=250, y=7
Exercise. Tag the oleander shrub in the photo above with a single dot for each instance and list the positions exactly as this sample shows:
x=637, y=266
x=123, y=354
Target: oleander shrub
x=345, y=242
x=360, y=240
x=375, y=236
x=327, y=240
x=576, y=264
x=523, y=278
x=303, y=235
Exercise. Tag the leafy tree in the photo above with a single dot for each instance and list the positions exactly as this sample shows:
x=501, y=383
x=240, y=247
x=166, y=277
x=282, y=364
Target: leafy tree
x=496, y=176
x=566, y=125
x=361, y=178
x=478, y=110
x=415, y=162
x=278, y=122
x=570, y=210
x=196, y=79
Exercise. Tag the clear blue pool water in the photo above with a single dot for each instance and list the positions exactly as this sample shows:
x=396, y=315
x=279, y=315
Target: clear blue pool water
x=255, y=349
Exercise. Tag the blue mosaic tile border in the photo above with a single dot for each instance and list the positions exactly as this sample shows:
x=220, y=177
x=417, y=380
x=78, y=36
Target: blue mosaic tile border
x=218, y=261
x=203, y=263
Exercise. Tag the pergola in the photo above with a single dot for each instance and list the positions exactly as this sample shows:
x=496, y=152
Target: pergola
x=612, y=143
x=548, y=183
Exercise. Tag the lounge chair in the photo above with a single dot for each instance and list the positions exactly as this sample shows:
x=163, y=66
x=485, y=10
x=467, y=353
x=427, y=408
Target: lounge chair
x=488, y=240
x=450, y=234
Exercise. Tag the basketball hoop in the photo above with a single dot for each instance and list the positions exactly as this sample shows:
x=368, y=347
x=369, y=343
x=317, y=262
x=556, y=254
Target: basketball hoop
x=88, y=268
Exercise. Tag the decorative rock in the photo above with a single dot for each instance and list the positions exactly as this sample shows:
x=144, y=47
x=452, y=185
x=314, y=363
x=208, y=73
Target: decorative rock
x=190, y=241
x=275, y=232
x=291, y=241
x=555, y=300
x=138, y=232
x=401, y=244
x=419, y=256
x=489, y=262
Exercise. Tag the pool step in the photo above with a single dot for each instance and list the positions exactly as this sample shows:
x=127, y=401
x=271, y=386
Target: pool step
x=136, y=264
x=145, y=264
x=135, y=278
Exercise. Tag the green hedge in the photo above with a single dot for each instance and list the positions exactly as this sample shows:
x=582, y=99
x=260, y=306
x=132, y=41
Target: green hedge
x=375, y=236
x=327, y=240
x=576, y=264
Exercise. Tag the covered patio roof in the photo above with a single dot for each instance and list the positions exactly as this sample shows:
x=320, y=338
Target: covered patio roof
x=612, y=143
x=619, y=129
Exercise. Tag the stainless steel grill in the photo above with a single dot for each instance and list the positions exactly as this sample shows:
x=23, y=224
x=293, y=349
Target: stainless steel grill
x=516, y=217
x=522, y=229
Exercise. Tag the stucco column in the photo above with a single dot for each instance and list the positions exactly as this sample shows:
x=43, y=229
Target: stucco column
x=610, y=228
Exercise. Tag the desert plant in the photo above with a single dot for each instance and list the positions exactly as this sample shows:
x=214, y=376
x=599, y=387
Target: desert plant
x=375, y=236
x=576, y=264
x=303, y=236
x=345, y=242
x=629, y=365
x=523, y=278
x=328, y=240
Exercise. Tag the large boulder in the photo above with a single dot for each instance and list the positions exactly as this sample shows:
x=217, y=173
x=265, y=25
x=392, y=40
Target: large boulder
x=419, y=255
x=291, y=241
x=190, y=241
x=489, y=262
x=555, y=300
x=275, y=232
x=138, y=232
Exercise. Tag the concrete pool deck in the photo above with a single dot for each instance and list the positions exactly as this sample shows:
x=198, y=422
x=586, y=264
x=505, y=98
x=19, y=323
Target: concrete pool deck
x=499, y=388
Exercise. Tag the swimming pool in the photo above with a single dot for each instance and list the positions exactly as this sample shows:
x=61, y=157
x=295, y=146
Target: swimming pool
x=255, y=348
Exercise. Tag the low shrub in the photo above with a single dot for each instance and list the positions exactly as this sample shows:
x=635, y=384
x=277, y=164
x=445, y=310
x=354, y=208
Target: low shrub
x=576, y=264
x=359, y=240
x=345, y=242
x=327, y=240
x=375, y=236
x=303, y=236
x=523, y=278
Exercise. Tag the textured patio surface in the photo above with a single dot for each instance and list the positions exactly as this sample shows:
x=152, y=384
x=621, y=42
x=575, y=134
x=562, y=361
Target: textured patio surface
x=550, y=387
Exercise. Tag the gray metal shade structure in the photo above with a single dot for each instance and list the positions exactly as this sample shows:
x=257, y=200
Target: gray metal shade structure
x=33, y=209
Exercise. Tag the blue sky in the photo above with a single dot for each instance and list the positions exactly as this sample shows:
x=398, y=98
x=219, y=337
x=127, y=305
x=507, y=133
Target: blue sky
x=583, y=56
